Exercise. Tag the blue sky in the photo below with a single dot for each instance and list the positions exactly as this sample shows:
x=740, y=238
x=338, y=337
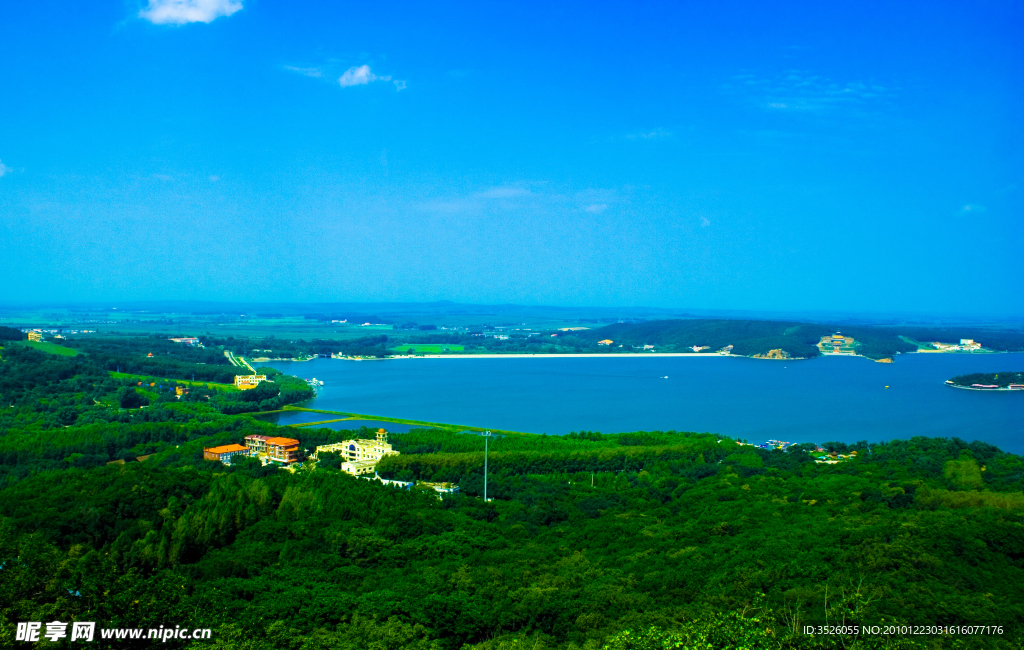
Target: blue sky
x=769, y=156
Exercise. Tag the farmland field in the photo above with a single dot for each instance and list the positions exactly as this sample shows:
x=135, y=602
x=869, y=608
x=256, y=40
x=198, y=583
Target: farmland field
x=429, y=348
x=51, y=348
x=187, y=382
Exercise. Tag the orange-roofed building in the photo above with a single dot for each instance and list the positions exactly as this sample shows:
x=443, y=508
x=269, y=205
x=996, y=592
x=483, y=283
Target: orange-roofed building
x=283, y=450
x=605, y=342
x=224, y=453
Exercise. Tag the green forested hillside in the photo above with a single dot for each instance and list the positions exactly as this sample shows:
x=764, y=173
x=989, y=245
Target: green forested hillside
x=797, y=339
x=640, y=540
x=747, y=337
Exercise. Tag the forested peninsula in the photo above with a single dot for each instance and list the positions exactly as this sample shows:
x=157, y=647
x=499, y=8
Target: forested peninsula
x=988, y=380
x=657, y=539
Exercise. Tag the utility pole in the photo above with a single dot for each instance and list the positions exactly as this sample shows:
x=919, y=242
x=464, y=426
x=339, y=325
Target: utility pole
x=486, y=435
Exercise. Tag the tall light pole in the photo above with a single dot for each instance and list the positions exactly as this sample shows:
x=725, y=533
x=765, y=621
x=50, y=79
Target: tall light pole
x=486, y=435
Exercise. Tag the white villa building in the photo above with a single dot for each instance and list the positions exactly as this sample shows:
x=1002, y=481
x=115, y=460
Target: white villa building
x=360, y=457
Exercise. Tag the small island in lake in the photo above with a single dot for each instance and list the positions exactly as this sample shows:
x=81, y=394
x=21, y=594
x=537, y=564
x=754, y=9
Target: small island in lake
x=989, y=381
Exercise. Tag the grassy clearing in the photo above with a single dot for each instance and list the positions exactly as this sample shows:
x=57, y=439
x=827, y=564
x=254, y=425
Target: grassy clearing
x=455, y=428
x=429, y=348
x=51, y=348
x=187, y=382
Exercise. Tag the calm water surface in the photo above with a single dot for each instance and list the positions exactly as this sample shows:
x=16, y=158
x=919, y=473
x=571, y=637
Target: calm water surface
x=817, y=400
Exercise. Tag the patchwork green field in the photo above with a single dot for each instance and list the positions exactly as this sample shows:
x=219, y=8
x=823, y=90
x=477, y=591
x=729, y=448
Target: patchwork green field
x=187, y=382
x=49, y=348
x=429, y=348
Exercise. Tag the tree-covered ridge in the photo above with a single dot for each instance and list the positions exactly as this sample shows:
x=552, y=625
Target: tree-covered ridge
x=749, y=337
x=11, y=334
x=61, y=412
x=169, y=360
x=1001, y=379
x=554, y=560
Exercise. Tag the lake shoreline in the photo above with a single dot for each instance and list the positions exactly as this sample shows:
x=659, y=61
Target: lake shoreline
x=631, y=355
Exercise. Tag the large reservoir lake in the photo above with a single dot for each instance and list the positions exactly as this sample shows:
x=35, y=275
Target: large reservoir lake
x=817, y=400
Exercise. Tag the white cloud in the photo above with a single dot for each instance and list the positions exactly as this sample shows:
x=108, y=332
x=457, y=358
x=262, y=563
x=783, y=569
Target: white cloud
x=400, y=85
x=596, y=208
x=972, y=208
x=179, y=12
x=656, y=134
x=306, y=72
x=802, y=91
x=4, y=169
x=704, y=223
x=214, y=178
x=359, y=76
x=503, y=192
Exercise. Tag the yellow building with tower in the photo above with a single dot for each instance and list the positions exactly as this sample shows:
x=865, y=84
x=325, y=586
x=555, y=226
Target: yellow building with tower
x=245, y=382
x=360, y=457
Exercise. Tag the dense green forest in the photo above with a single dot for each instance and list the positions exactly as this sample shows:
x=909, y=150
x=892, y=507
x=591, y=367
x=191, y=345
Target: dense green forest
x=618, y=541
x=1001, y=379
x=10, y=334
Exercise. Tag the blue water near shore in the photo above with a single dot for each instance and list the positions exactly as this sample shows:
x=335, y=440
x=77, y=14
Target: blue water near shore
x=816, y=400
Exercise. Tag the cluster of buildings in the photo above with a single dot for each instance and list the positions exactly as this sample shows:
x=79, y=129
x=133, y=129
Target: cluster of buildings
x=186, y=340
x=359, y=457
x=965, y=345
x=832, y=459
x=284, y=451
x=838, y=343
x=37, y=334
x=778, y=444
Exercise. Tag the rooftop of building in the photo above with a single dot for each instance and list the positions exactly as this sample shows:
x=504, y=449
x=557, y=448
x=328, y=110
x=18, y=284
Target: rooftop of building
x=223, y=449
x=282, y=442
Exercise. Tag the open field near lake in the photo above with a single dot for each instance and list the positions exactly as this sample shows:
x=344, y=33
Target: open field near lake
x=429, y=348
x=49, y=348
x=187, y=382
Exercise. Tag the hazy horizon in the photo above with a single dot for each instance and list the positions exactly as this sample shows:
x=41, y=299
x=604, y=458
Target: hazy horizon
x=643, y=312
